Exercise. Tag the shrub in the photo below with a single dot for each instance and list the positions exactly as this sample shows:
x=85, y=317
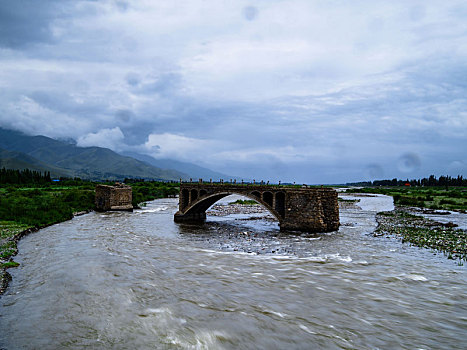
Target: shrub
x=408, y=201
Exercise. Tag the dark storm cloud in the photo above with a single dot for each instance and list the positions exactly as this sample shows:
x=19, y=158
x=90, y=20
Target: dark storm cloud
x=24, y=22
x=63, y=102
x=136, y=134
x=124, y=115
x=339, y=93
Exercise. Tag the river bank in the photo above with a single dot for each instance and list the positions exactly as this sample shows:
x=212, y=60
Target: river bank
x=452, y=198
x=8, y=249
x=10, y=234
x=29, y=207
x=423, y=232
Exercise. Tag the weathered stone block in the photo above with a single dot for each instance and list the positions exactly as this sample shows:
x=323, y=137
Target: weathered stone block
x=118, y=197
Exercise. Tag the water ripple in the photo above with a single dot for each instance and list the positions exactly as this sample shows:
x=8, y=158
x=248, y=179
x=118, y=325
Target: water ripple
x=138, y=280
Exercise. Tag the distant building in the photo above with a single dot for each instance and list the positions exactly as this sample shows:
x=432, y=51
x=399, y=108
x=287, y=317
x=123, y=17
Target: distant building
x=117, y=197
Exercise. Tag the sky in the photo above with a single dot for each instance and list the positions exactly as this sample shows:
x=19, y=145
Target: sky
x=294, y=90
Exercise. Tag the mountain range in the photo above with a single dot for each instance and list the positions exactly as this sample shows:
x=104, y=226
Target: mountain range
x=195, y=171
x=61, y=158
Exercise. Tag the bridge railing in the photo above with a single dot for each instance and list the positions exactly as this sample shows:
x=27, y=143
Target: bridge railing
x=250, y=183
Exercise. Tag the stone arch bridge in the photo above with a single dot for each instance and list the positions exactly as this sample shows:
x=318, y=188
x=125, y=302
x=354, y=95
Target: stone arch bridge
x=310, y=209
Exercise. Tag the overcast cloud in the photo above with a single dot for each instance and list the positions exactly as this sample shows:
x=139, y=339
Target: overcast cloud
x=297, y=90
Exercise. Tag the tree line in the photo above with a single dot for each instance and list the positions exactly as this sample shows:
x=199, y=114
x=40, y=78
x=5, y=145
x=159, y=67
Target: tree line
x=425, y=182
x=26, y=176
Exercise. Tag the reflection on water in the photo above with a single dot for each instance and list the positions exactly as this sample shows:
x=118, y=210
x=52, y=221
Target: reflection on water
x=138, y=280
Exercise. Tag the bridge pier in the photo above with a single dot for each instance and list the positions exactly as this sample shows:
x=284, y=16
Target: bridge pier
x=118, y=197
x=190, y=218
x=309, y=209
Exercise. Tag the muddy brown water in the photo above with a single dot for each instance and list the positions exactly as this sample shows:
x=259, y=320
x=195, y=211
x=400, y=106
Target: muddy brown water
x=140, y=281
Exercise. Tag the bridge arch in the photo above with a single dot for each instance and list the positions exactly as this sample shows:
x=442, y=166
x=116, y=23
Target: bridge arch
x=203, y=203
x=300, y=209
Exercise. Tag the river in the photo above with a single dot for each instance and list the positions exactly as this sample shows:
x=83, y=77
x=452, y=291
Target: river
x=140, y=281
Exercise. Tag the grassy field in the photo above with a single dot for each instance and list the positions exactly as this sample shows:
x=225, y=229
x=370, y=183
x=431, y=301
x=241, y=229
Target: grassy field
x=33, y=206
x=245, y=202
x=146, y=191
x=453, y=198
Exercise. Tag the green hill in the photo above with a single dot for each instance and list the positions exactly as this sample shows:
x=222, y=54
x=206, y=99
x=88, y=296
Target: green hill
x=95, y=163
x=20, y=161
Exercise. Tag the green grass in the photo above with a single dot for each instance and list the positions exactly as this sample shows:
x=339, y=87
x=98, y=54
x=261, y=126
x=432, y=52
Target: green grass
x=43, y=205
x=33, y=206
x=9, y=264
x=244, y=202
x=423, y=233
x=7, y=250
x=339, y=199
x=29, y=206
x=10, y=228
x=148, y=190
x=454, y=198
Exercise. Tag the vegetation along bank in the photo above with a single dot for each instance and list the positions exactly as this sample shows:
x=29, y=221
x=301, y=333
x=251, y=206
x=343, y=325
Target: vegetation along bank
x=30, y=200
x=417, y=230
